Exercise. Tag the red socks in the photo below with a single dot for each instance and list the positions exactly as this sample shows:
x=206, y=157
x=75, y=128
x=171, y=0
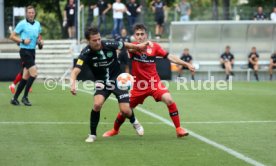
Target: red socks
x=174, y=114
x=17, y=78
x=119, y=121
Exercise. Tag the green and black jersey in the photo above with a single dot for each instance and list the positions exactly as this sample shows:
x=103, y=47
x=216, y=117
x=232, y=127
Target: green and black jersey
x=103, y=63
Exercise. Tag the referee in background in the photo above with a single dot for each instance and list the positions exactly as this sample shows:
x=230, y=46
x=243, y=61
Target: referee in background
x=27, y=34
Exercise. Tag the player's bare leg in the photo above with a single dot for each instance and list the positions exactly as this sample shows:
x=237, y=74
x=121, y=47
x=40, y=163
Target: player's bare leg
x=156, y=30
x=193, y=75
x=71, y=32
x=228, y=69
x=271, y=66
x=226, y=64
x=256, y=68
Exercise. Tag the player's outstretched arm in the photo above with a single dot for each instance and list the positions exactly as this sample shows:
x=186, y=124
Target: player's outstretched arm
x=137, y=47
x=75, y=72
x=177, y=60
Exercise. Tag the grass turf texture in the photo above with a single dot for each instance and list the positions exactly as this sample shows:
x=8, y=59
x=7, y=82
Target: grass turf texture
x=63, y=144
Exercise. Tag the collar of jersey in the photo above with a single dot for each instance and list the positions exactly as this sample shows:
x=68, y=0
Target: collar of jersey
x=30, y=21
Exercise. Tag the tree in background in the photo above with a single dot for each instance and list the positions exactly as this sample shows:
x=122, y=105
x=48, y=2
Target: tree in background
x=49, y=13
x=246, y=11
x=226, y=9
x=215, y=9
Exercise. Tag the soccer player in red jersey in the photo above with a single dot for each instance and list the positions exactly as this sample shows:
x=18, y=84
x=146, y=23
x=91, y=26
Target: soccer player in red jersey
x=147, y=81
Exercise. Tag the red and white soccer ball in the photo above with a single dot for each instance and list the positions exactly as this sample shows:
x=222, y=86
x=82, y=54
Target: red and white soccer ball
x=125, y=81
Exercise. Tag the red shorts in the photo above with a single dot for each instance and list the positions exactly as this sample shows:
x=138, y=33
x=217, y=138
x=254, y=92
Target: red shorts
x=137, y=96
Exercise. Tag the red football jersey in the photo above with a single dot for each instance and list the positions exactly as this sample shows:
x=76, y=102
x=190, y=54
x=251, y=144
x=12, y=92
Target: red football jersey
x=143, y=64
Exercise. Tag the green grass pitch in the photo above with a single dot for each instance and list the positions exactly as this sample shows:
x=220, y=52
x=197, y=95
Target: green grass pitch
x=53, y=130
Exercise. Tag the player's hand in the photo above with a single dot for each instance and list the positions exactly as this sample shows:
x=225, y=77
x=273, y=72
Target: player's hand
x=141, y=47
x=191, y=68
x=149, y=43
x=73, y=89
x=64, y=23
x=27, y=41
x=41, y=42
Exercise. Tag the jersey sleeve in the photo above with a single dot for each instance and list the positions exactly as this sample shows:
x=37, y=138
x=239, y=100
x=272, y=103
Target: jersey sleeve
x=81, y=60
x=115, y=45
x=19, y=27
x=160, y=51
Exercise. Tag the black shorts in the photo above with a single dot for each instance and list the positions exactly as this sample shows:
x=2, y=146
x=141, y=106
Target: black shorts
x=27, y=57
x=70, y=22
x=159, y=20
x=223, y=66
x=250, y=65
x=121, y=95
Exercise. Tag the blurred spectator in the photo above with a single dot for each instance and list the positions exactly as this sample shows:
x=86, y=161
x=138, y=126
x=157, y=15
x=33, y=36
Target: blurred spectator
x=185, y=10
x=187, y=58
x=158, y=8
x=272, y=64
x=227, y=62
x=253, y=62
x=273, y=14
x=118, y=15
x=103, y=8
x=123, y=54
x=69, y=18
x=133, y=10
x=260, y=15
x=90, y=14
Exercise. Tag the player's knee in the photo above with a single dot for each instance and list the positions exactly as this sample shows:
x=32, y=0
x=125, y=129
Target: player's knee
x=126, y=111
x=97, y=107
x=168, y=100
x=33, y=75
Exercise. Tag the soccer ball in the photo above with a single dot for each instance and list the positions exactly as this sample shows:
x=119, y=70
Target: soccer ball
x=124, y=81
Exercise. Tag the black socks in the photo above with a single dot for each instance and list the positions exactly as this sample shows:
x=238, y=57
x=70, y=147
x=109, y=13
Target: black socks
x=20, y=88
x=28, y=85
x=94, y=120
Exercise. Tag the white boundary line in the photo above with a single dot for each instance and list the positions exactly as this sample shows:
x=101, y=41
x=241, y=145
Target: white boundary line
x=197, y=136
x=103, y=123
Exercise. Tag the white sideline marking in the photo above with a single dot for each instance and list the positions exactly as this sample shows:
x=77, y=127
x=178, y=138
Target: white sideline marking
x=103, y=123
x=197, y=136
x=231, y=122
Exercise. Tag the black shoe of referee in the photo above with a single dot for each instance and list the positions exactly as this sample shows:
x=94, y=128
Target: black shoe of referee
x=14, y=102
x=26, y=101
